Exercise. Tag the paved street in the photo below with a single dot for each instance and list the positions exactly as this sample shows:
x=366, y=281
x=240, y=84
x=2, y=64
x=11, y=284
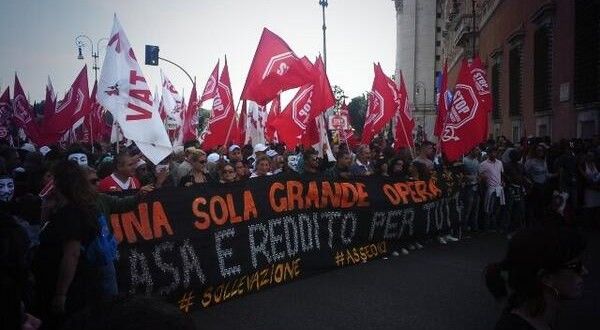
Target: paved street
x=440, y=287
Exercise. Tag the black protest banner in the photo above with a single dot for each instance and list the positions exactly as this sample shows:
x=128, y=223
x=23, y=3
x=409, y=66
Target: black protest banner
x=204, y=245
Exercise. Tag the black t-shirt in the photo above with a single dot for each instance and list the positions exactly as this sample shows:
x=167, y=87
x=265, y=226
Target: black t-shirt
x=68, y=223
x=510, y=321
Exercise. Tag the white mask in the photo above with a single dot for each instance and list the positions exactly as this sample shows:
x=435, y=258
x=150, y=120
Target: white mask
x=7, y=189
x=80, y=158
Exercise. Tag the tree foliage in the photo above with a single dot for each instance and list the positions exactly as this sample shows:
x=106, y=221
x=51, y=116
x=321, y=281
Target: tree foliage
x=357, y=110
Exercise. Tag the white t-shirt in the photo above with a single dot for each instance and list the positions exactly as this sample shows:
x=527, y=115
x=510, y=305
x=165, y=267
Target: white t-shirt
x=492, y=171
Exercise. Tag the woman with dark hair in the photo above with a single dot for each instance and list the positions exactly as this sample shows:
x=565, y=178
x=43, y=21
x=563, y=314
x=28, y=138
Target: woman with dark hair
x=542, y=267
x=74, y=263
x=60, y=270
x=397, y=169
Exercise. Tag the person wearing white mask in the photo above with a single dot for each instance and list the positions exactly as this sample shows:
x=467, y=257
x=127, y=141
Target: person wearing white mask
x=78, y=157
x=7, y=188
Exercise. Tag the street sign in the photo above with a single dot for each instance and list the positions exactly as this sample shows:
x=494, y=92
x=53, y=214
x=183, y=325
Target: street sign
x=152, y=55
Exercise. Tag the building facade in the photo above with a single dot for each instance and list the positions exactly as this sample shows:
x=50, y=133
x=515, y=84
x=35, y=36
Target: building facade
x=542, y=59
x=418, y=48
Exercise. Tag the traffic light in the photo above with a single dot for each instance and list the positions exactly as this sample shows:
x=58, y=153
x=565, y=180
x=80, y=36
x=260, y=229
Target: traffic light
x=151, y=55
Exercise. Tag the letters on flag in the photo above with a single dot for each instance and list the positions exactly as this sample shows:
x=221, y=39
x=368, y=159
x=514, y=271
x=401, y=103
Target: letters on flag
x=124, y=92
x=275, y=68
x=466, y=123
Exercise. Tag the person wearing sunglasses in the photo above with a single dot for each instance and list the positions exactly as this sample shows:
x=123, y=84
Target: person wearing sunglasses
x=542, y=268
x=198, y=174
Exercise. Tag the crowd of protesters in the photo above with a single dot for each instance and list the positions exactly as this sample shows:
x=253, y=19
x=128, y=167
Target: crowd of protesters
x=58, y=252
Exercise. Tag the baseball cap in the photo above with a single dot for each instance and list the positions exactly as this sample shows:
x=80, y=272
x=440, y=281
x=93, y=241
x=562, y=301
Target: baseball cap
x=213, y=158
x=233, y=147
x=259, y=147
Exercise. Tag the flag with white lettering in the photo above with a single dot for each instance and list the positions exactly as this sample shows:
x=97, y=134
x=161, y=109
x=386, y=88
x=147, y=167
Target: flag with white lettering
x=124, y=92
x=275, y=68
x=466, y=124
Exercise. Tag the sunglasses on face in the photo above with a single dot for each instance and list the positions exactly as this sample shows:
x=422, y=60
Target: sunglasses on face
x=94, y=181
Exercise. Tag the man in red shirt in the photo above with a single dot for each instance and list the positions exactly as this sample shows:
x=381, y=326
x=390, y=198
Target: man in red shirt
x=123, y=178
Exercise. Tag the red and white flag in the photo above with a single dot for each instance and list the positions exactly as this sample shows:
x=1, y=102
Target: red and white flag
x=467, y=121
x=322, y=100
x=124, y=92
x=275, y=68
x=293, y=121
x=5, y=115
x=69, y=111
x=23, y=114
x=50, y=101
x=270, y=128
x=404, y=121
x=220, y=124
x=256, y=118
x=381, y=106
x=210, y=90
x=95, y=124
x=239, y=134
x=190, y=117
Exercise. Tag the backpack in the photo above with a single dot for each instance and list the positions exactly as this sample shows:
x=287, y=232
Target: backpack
x=102, y=250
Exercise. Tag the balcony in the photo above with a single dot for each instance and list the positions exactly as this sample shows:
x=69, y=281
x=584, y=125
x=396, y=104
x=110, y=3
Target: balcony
x=463, y=28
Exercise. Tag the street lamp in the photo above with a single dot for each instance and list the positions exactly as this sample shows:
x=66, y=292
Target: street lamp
x=419, y=85
x=324, y=4
x=80, y=42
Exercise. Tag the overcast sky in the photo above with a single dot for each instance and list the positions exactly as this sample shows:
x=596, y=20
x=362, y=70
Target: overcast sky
x=37, y=38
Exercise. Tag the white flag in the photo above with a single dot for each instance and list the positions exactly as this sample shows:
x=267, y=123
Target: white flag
x=256, y=118
x=124, y=92
x=323, y=147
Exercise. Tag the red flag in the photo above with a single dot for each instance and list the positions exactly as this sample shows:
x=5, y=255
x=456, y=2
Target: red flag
x=322, y=99
x=23, y=114
x=275, y=68
x=70, y=110
x=5, y=115
x=292, y=122
x=404, y=121
x=442, y=103
x=210, y=90
x=466, y=123
x=275, y=110
x=94, y=124
x=381, y=107
x=239, y=135
x=50, y=101
x=220, y=124
x=190, y=117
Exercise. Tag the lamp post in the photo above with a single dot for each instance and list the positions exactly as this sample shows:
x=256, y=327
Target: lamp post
x=419, y=85
x=324, y=4
x=80, y=42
